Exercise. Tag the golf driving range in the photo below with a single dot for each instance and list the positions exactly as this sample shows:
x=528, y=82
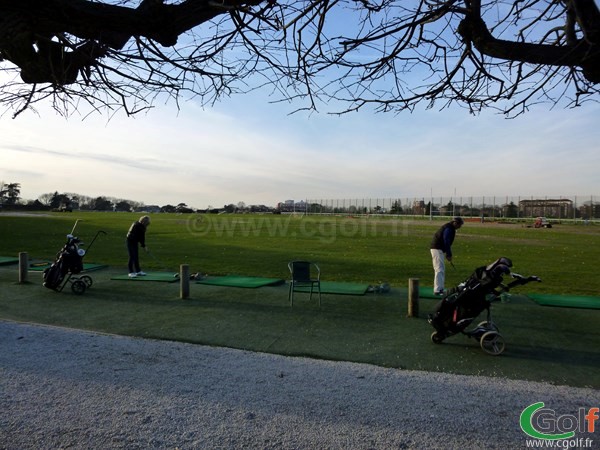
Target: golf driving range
x=241, y=299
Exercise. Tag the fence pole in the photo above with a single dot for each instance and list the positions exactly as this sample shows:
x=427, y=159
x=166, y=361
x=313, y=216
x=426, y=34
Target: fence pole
x=23, y=267
x=184, y=281
x=413, y=297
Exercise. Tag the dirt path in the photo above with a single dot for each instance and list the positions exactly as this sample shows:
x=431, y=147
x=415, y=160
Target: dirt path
x=63, y=388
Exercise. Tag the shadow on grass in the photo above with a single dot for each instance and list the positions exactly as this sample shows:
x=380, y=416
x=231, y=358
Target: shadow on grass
x=554, y=345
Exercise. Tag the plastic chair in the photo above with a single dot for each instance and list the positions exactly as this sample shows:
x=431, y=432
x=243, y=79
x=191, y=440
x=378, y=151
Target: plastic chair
x=303, y=275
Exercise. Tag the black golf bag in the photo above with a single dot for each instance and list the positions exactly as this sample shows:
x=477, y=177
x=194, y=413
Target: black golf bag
x=463, y=303
x=69, y=260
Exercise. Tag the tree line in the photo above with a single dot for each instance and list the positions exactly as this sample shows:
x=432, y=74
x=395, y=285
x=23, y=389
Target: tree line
x=10, y=198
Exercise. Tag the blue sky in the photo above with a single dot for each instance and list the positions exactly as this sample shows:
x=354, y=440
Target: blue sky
x=246, y=149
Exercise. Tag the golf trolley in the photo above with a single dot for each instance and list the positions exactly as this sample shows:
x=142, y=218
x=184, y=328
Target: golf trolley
x=68, y=264
x=463, y=303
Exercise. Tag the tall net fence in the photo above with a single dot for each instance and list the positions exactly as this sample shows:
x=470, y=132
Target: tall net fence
x=577, y=207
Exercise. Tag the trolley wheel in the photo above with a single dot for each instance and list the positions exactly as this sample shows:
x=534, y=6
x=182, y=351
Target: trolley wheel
x=87, y=280
x=78, y=287
x=489, y=325
x=436, y=337
x=492, y=343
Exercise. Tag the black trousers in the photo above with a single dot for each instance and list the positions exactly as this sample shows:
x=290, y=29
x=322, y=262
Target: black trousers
x=134, y=256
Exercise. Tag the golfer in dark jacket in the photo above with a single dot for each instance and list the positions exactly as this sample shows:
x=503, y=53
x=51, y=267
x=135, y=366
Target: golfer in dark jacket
x=136, y=235
x=441, y=249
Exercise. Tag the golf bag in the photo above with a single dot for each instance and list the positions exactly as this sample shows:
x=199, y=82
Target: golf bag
x=463, y=303
x=69, y=260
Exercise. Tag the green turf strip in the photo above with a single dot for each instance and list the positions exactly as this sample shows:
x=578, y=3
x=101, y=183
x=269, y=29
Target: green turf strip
x=553, y=345
x=5, y=260
x=427, y=292
x=167, y=277
x=566, y=301
x=42, y=265
x=333, y=287
x=241, y=281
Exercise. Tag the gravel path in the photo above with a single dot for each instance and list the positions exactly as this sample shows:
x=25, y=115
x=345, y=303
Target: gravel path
x=62, y=388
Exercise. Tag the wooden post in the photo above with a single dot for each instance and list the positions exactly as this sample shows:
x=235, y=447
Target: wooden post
x=23, y=267
x=184, y=281
x=413, y=297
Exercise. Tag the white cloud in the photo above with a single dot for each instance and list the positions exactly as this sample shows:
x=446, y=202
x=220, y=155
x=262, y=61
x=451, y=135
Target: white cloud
x=239, y=152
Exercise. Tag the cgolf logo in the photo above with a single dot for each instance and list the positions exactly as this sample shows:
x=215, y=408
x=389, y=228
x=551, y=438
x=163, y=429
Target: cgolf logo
x=326, y=230
x=539, y=422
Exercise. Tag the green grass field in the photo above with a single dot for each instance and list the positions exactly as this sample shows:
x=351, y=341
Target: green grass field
x=558, y=345
x=347, y=249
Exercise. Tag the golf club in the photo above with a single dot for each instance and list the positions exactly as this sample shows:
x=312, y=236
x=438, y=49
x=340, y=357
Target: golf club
x=75, y=226
x=93, y=240
x=160, y=263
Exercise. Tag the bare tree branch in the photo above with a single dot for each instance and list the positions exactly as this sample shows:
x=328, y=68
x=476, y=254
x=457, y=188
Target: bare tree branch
x=339, y=55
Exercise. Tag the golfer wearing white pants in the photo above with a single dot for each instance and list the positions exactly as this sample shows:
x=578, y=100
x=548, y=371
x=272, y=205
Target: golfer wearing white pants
x=441, y=249
x=439, y=267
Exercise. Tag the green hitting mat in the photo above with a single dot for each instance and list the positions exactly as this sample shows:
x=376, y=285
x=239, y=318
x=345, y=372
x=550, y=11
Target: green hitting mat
x=566, y=301
x=333, y=287
x=42, y=265
x=6, y=260
x=240, y=281
x=427, y=292
x=167, y=277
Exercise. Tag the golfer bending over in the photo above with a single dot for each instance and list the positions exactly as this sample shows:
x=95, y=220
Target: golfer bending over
x=136, y=235
x=441, y=246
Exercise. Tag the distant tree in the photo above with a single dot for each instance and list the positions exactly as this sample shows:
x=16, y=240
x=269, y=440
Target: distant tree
x=58, y=199
x=46, y=199
x=85, y=202
x=73, y=200
x=260, y=209
x=36, y=205
x=229, y=208
x=183, y=208
x=449, y=209
x=168, y=209
x=10, y=193
x=102, y=204
x=62, y=202
x=428, y=209
x=392, y=54
x=511, y=210
x=123, y=206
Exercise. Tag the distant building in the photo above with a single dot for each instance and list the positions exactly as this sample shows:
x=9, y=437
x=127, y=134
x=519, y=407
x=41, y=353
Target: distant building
x=292, y=206
x=419, y=207
x=555, y=208
x=148, y=209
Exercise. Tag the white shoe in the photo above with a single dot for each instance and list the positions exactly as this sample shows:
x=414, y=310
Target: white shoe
x=132, y=275
x=141, y=274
